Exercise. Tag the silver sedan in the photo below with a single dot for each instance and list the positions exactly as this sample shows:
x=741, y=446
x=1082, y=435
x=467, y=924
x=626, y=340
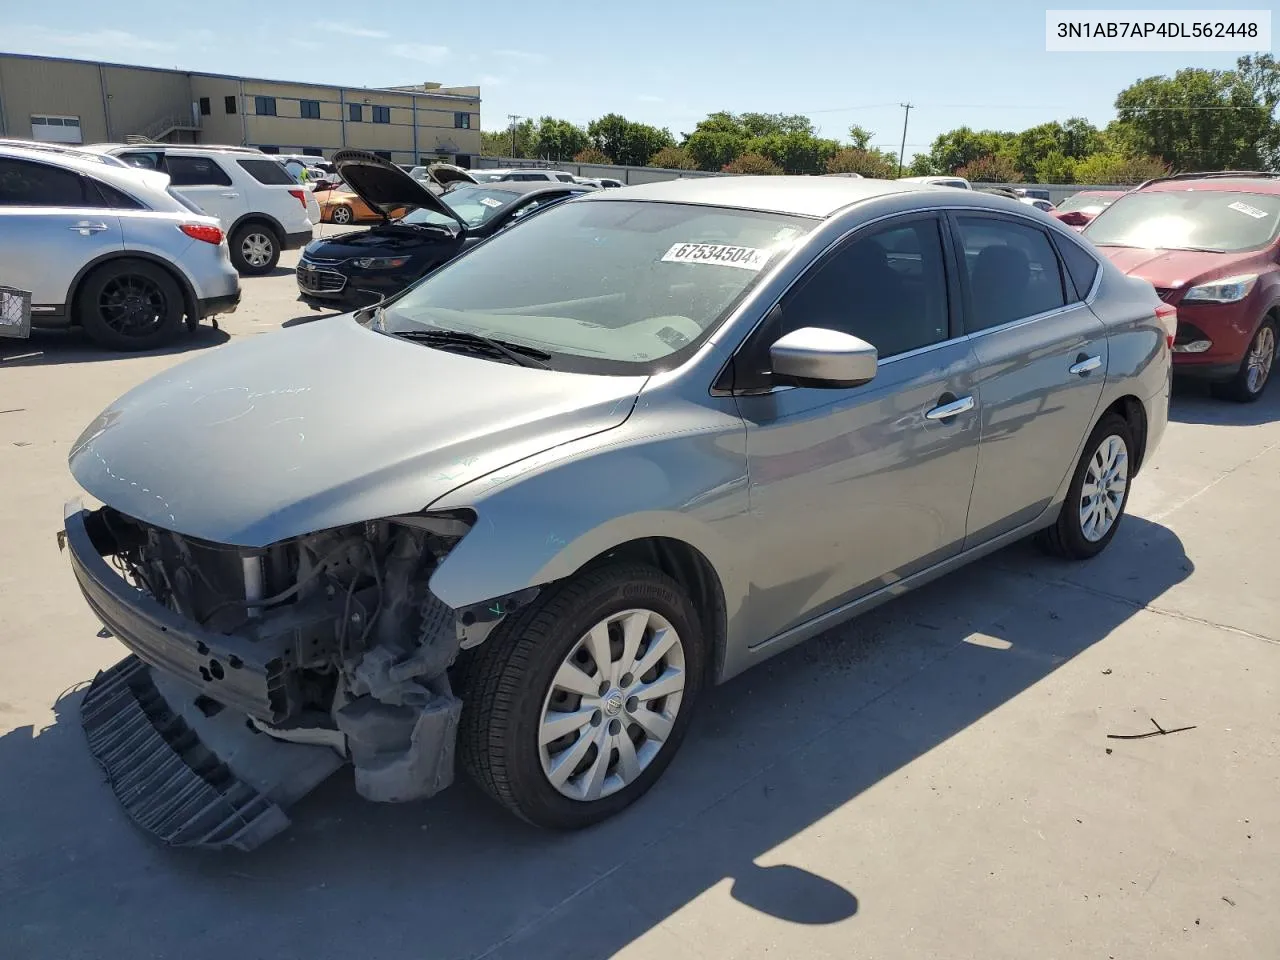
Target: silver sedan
x=530, y=509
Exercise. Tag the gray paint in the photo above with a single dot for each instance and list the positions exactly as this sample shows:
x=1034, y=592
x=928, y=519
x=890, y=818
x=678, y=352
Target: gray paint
x=810, y=505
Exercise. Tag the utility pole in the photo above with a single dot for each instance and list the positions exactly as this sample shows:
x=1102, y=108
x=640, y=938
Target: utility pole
x=514, y=118
x=903, y=151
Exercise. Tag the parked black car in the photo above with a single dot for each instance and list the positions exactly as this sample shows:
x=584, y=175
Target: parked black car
x=419, y=232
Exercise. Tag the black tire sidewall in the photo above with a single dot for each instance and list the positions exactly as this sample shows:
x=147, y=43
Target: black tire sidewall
x=538, y=800
x=237, y=258
x=1073, y=538
x=100, y=332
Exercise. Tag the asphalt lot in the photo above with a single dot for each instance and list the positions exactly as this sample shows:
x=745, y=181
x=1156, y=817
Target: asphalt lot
x=933, y=780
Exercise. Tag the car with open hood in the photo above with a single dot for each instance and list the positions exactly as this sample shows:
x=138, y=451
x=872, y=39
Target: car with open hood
x=439, y=177
x=527, y=512
x=1210, y=245
x=417, y=229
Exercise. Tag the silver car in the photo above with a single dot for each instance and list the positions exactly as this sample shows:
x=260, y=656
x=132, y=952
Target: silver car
x=532, y=508
x=108, y=248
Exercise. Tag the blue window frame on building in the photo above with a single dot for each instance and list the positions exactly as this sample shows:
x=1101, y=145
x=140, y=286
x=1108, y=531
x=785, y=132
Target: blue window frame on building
x=381, y=114
x=264, y=106
x=310, y=109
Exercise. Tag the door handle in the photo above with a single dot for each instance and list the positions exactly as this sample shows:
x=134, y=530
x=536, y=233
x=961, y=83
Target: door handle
x=946, y=411
x=231, y=196
x=84, y=227
x=1084, y=365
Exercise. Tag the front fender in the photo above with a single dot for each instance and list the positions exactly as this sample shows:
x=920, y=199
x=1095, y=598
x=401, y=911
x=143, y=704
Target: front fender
x=543, y=518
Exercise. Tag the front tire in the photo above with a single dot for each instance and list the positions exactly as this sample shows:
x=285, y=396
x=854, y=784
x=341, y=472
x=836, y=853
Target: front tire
x=572, y=710
x=341, y=215
x=130, y=304
x=1255, y=369
x=255, y=249
x=1098, y=494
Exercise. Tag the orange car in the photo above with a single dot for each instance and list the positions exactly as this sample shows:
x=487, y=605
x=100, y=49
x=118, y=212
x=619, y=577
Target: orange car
x=343, y=207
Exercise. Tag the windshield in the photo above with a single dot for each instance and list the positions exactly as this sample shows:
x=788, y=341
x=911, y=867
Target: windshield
x=1085, y=202
x=604, y=286
x=1188, y=220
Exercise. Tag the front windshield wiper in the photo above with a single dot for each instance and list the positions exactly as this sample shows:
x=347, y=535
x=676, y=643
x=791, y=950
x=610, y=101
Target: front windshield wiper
x=516, y=353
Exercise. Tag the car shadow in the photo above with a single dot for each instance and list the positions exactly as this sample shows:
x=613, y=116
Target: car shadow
x=276, y=271
x=47, y=347
x=1193, y=403
x=771, y=754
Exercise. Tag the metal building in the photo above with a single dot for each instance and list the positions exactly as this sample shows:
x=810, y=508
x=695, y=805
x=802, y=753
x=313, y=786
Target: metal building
x=81, y=101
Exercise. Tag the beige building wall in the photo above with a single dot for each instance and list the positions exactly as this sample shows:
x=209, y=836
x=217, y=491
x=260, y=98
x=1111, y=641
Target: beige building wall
x=31, y=87
x=219, y=126
x=138, y=99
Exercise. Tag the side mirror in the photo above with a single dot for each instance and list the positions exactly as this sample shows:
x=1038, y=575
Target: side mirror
x=822, y=358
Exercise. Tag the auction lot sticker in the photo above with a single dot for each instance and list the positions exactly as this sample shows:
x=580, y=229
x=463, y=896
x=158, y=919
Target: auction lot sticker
x=717, y=254
x=1157, y=31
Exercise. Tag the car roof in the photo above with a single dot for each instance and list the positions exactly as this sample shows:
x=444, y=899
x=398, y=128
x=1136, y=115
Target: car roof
x=82, y=160
x=796, y=195
x=1238, y=184
x=527, y=186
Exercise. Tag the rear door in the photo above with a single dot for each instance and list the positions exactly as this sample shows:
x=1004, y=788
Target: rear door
x=203, y=181
x=52, y=222
x=1042, y=362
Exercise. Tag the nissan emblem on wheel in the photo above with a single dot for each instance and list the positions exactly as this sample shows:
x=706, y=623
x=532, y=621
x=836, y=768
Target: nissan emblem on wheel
x=517, y=516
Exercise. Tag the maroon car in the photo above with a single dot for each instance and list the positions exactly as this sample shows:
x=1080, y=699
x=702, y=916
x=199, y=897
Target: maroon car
x=1208, y=243
x=1080, y=208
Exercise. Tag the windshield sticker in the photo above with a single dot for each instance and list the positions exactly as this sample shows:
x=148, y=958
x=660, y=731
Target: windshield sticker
x=1246, y=209
x=718, y=254
x=490, y=202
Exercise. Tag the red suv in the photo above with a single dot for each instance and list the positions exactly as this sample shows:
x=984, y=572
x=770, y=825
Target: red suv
x=1208, y=243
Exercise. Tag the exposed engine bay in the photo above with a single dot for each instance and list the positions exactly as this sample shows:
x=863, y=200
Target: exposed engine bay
x=331, y=641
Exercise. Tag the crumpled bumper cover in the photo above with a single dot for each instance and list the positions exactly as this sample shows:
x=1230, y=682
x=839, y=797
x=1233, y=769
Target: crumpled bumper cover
x=232, y=669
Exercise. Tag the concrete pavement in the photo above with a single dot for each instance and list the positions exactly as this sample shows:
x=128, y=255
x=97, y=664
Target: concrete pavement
x=932, y=780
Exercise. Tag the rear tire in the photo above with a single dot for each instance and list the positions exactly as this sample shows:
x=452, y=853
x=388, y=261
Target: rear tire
x=517, y=690
x=341, y=215
x=130, y=304
x=1255, y=369
x=1098, y=494
x=255, y=249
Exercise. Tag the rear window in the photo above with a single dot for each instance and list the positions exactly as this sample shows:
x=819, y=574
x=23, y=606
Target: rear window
x=1213, y=220
x=268, y=171
x=1082, y=268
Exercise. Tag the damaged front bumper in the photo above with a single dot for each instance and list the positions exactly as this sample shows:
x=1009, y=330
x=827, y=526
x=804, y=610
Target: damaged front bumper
x=207, y=737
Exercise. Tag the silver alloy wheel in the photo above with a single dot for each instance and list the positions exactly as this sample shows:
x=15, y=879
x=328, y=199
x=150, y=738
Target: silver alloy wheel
x=256, y=248
x=611, y=705
x=1102, y=494
x=1262, y=355
x=341, y=214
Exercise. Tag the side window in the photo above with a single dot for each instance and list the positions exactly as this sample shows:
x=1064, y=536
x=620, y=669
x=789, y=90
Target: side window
x=309, y=109
x=887, y=286
x=229, y=104
x=27, y=184
x=206, y=107
x=264, y=106
x=113, y=198
x=144, y=159
x=1012, y=271
x=1082, y=268
x=196, y=172
x=355, y=112
x=269, y=171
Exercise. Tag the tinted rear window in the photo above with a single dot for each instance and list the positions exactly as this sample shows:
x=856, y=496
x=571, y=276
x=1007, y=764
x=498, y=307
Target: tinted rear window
x=1082, y=268
x=195, y=172
x=268, y=171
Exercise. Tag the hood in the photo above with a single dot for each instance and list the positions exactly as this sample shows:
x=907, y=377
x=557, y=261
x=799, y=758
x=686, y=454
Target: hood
x=392, y=237
x=323, y=425
x=385, y=187
x=1169, y=268
x=447, y=173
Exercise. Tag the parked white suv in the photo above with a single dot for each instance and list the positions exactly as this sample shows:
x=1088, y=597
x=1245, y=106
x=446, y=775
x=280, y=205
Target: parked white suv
x=108, y=248
x=263, y=209
x=527, y=175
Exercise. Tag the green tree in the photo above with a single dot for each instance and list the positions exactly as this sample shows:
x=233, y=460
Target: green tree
x=592, y=155
x=797, y=152
x=775, y=124
x=869, y=163
x=626, y=141
x=558, y=139
x=1202, y=119
x=859, y=139
x=1055, y=167
x=1119, y=169
x=991, y=168
x=752, y=163
x=498, y=143
x=957, y=148
x=673, y=158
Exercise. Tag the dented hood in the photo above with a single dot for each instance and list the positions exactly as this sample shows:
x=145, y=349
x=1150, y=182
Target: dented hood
x=385, y=187
x=323, y=425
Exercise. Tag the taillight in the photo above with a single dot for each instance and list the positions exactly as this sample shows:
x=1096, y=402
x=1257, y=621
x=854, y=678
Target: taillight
x=202, y=231
x=1167, y=314
x=300, y=196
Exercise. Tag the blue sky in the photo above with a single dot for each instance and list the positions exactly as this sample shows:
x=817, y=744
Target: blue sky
x=980, y=63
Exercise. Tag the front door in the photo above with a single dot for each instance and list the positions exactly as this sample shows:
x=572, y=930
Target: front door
x=53, y=221
x=851, y=489
x=1042, y=363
